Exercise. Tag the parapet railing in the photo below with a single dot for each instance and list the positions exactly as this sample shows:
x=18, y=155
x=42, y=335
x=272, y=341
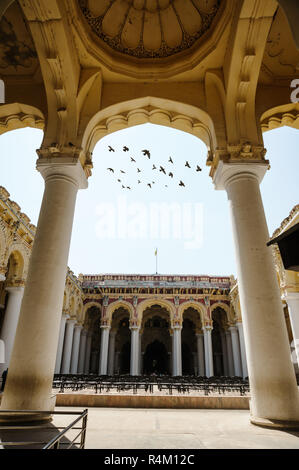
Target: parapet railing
x=60, y=439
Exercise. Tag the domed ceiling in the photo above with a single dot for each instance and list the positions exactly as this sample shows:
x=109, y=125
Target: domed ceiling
x=150, y=29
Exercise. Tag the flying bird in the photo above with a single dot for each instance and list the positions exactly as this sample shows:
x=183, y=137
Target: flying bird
x=139, y=181
x=138, y=171
x=122, y=171
x=125, y=149
x=181, y=183
x=111, y=149
x=162, y=169
x=154, y=167
x=170, y=160
x=128, y=187
x=110, y=169
x=123, y=186
x=198, y=168
x=119, y=181
x=147, y=153
x=132, y=160
x=149, y=185
x=187, y=164
x=171, y=175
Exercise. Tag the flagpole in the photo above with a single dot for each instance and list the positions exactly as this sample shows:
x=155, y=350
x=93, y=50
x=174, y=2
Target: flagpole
x=156, y=253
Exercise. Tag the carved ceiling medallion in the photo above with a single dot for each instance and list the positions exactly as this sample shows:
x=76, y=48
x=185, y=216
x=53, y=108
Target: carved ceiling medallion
x=150, y=29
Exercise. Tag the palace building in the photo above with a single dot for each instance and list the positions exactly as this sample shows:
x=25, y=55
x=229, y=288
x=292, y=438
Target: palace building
x=138, y=324
x=224, y=71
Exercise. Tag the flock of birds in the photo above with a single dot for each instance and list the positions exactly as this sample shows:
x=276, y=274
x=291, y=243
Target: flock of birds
x=147, y=154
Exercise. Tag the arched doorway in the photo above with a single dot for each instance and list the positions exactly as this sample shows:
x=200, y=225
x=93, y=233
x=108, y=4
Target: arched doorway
x=125, y=357
x=91, y=324
x=155, y=358
x=219, y=324
x=155, y=340
x=187, y=360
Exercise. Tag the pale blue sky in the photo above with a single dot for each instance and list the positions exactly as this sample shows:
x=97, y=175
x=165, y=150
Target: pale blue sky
x=100, y=221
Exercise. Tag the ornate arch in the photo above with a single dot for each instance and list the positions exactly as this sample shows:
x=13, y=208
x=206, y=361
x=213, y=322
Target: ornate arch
x=17, y=115
x=153, y=110
x=279, y=116
x=149, y=302
x=224, y=307
x=117, y=304
x=199, y=307
x=23, y=255
x=87, y=306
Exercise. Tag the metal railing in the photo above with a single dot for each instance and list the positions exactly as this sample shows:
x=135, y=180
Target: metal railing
x=60, y=439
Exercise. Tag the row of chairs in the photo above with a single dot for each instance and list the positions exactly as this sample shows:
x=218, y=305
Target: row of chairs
x=123, y=383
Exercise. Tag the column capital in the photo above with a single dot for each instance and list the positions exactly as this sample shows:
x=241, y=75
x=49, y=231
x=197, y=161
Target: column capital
x=228, y=172
x=62, y=167
x=14, y=288
x=105, y=327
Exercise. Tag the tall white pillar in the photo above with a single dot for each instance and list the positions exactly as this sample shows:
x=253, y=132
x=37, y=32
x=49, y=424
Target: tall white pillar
x=140, y=354
x=274, y=391
x=75, y=349
x=209, y=366
x=87, y=354
x=200, y=355
x=292, y=299
x=104, y=350
x=82, y=351
x=111, y=353
x=243, y=350
x=10, y=323
x=134, y=350
x=64, y=317
x=236, y=351
x=177, y=351
x=67, y=348
x=33, y=357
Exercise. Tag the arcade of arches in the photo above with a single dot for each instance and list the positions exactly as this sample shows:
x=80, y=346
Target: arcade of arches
x=220, y=70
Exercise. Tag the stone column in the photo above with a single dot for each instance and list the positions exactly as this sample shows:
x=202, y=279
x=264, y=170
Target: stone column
x=34, y=354
x=274, y=391
x=224, y=353
x=140, y=360
x=111, y=354
x=229, y=349
x=236, y=351
x=177, y=351
x=87, y=354
x=292, y=299
x=10, y=323
x=209, y=366
x=82, y=351
x=104, y=350
x=75, y=349
x=200, y=354
x=242, y=349
x=64, y=317
x=134, y=350
x=67, y=348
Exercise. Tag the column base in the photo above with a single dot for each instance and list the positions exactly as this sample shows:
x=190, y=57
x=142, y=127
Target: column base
x=275, y=423
x=30, y=418
x=27, y=418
